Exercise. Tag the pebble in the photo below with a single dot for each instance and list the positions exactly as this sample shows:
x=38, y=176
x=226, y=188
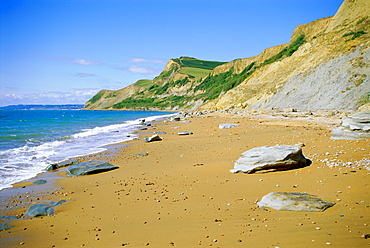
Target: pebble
x=318, y=228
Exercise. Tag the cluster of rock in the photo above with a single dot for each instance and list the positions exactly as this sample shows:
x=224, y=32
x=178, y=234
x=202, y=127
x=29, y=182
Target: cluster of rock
x=282, y=157
x=356, y=126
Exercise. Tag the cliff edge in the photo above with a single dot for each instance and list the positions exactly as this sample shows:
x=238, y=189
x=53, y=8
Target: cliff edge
x=325, y=66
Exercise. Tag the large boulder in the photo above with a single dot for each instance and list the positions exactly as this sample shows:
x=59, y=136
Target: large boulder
x=270, y=158
x=294, y=202
x=43, y=209
x=356, y=126
x=88, y=168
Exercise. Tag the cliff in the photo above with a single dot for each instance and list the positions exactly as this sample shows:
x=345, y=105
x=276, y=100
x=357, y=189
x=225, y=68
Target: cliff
x=325, y=66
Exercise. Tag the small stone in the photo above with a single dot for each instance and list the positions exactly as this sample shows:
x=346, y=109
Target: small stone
x=318, y=228
x=239, y=240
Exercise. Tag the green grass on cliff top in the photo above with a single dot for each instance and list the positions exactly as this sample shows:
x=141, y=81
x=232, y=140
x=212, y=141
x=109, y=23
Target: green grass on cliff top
x=197, y=63
x=195, y=72
x=143, y=82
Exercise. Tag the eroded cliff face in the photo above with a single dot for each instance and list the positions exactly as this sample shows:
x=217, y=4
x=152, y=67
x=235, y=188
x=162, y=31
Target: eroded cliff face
x=330, y=71
x=326, y=66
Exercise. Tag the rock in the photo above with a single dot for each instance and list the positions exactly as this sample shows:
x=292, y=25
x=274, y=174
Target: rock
x=270, y=158
x=153, y=138
x=42, y=209
x=294, y=202
x=141, y=154
x=356, y=126
x=175, y=118
x=88, y=168
x=160, y=132
x=185, y=133
x=52, y=167
x=287, y=110
x=40, y=181
x=4, y=221
x=359, y=121
x=227, y=126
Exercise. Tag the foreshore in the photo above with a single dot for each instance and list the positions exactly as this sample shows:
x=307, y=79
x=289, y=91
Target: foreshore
x=182, y=194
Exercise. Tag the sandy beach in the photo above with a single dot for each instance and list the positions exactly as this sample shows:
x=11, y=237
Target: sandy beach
x=182, y=194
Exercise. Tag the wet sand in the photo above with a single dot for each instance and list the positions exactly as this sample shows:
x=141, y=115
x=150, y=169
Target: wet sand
x=183, y=195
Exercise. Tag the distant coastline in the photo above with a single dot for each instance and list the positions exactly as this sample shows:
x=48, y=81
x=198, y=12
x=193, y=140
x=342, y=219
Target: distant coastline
x=43, y=107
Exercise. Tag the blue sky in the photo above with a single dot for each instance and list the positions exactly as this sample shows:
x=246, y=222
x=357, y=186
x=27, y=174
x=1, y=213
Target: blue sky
x=65, y=51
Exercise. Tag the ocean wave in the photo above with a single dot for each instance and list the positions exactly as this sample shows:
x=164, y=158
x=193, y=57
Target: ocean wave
x=25, y=162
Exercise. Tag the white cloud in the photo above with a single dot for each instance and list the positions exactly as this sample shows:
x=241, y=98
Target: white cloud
x=149, y=61
x=81, y=74
x=75, y=96
x=85, y=62
x=145, y=70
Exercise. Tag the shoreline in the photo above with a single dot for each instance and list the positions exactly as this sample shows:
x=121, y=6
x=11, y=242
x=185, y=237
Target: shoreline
x=183, y=195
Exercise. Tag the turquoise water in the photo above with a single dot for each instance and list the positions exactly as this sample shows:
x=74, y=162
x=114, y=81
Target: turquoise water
x=32, y=139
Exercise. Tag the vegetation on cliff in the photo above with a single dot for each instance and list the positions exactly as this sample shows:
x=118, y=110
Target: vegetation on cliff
x=325, y=66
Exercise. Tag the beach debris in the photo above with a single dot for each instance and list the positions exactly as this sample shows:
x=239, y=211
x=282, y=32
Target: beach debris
x=185, y=133
x=5, y=220
x=42, y=209
x=354, y=127
x=155, y=137
x=40, y=181
x=227, y=125
x=294, y=202
x=52, y=167
x=175, y=118
x=141, y=154
x=270, y=158
x=88, y=168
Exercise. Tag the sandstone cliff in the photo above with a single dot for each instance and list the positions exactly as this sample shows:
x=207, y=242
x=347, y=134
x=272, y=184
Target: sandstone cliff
x=326, y=66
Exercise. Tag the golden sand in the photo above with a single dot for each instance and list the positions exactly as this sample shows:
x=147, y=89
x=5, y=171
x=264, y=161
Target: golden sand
x=183, y=195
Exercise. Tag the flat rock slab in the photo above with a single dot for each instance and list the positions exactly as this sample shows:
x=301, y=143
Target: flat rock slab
x=88, y=168
x=5, y=220
x=42, y=209
x=153, y=138
x=185, y=133
x=141, y=154
x=294, y=202
x=52, y=167
x=227, y=125
x=270, y=158
x=40, y=181
x=354, y=127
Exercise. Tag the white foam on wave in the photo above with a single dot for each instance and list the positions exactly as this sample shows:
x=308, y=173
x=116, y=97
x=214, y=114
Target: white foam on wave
x=26, y=162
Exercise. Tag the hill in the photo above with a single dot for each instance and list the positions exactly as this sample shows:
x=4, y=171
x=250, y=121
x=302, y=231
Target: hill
x=325, y=66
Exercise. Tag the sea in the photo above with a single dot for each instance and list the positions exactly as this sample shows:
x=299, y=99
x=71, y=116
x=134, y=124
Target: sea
x=30, y=140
